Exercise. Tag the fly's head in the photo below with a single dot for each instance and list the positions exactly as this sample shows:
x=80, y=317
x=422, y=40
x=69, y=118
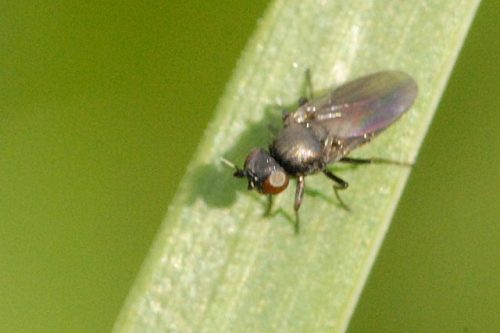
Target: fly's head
x=264, y=174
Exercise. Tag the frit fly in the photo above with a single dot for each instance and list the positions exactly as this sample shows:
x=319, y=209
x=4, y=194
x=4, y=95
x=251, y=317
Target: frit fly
x=325, y=130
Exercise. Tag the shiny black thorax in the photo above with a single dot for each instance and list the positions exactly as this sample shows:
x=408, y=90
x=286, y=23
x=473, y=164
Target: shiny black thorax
x=301, y=148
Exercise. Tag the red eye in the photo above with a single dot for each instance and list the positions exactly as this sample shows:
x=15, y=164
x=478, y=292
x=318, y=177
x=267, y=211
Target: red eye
x=275, y=183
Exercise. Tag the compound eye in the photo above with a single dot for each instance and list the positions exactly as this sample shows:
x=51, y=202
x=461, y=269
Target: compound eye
x=275, y=183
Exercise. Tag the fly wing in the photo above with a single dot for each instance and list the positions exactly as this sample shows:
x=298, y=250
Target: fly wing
x=364, y=107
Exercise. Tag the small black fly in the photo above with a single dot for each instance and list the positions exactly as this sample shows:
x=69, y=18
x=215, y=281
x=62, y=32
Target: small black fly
x=325, y=130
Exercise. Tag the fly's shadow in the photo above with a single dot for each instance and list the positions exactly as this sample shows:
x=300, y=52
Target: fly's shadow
x=213, y=182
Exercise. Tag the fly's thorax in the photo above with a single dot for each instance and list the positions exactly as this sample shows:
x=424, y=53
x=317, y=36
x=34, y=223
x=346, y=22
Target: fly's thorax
x=299, y=148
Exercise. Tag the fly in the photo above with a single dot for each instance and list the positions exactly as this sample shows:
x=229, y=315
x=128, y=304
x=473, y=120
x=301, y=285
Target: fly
x=325, y=130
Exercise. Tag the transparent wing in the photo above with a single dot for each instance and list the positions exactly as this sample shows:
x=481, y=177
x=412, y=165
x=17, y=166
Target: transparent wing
x=360, y=109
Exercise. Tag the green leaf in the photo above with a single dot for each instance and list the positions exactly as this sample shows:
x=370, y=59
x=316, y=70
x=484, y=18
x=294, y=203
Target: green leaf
x=217, y=265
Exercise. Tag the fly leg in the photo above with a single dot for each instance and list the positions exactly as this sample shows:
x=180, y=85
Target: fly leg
x=340, y=184
x=375, y=160
x=308, y=89
x=269, y=207
x=299, y=194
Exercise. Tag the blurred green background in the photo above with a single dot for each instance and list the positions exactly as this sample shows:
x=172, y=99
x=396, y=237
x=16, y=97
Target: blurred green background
x=102, y=106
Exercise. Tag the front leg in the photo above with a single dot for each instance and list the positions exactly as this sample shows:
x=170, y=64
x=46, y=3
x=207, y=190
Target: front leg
x=269, y=207
x=299, y=194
